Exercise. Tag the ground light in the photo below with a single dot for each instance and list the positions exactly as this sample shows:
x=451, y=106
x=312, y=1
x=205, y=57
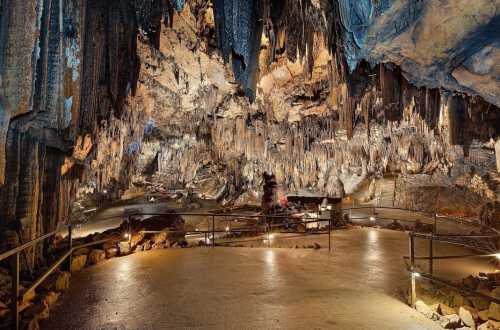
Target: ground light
x=498, y=256
x=416, y=274
x=227, y=228
x=126, y=235
x=372, y=218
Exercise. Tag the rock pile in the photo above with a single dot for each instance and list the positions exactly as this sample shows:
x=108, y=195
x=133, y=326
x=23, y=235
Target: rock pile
x=34, y=305
x=454, y=310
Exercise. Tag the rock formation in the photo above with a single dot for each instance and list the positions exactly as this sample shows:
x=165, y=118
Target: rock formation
x=101, y=97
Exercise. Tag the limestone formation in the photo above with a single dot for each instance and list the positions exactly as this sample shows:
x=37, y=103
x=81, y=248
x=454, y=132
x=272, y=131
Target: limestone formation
x=243, y=101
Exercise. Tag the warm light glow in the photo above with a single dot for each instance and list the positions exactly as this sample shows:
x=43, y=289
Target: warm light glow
x=271, y=236
x=497, y=255
x=329, y=207
x=126, y=235
x=416, y=274
x=372, y=218
x=227, y=228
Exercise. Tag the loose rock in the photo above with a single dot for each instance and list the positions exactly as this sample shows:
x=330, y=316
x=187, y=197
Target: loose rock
x=80, y=252
x=96, y=256
x=446, y=310
x=111, y=252
x=37, y=312
x=78, y=262
x=467, y=317
x=51, y=298
x=427, y=311
x=62, y=281
x=159, y=237
x=494, y=311
x=136, y=239
x=450, y=321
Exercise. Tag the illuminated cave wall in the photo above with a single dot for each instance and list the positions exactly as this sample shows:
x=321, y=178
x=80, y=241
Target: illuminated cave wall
x=116, y=95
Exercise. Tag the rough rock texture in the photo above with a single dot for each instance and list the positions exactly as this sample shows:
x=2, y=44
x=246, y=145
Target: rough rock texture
x=100, y=97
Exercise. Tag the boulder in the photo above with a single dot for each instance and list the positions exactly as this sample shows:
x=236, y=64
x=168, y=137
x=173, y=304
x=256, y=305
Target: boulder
x=30, y=324
x=471, y=282
x=467, y=317
x=159, y=245
x=427, y=311
x=494, y=311
x=78, y=262
x=62, y=281
x=435, y=307
x=450, y=321
x=495, y=292
x=81, y=252
x=489, y=325
x=135, y=240
x=96, y=256
x=38, y=312
x=51, y=298
x=446, y=310
x=159, y=237
x=459, y=300
x=108, y=245
x=317, y=246
x=479, y=303
x=111, y=252
x=483, y=315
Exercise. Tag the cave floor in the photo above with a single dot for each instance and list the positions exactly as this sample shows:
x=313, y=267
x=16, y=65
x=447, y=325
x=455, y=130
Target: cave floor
x=358, y=285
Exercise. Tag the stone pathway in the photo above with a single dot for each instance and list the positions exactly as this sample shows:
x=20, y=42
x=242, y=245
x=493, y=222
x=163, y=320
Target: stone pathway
x=358, y=286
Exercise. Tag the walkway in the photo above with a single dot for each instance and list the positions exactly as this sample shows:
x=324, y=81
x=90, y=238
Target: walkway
x=357, y=286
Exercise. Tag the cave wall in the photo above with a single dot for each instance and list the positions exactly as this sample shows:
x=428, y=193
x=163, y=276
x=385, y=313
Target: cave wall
x=106, y=96
x=311, y=123
x=69, y=72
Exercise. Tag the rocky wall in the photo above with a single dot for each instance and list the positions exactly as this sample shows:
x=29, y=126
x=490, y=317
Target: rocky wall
x=100, y=97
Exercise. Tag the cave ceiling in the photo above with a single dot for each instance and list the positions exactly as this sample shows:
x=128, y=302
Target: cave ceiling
x=94, y=95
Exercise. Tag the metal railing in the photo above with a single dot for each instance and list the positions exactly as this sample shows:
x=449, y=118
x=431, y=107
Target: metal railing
x=267, y=221
x=263, y=224
x=458, y=240
x=14, y=254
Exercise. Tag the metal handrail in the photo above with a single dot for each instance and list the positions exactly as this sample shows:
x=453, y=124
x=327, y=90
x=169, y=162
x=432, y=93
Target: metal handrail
x=15, y=252
x=26, y=245
x=431, y=258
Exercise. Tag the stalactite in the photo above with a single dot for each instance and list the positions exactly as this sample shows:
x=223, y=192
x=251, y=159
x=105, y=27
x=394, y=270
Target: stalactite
x=240, y=42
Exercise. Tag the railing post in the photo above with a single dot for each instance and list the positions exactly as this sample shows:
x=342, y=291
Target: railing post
x=70, y=244
x=412, y=269
x=330, y=235
x=435, y=224
x=431, y=255
x=268, y=227
x=213, y=231
x=15, y=291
